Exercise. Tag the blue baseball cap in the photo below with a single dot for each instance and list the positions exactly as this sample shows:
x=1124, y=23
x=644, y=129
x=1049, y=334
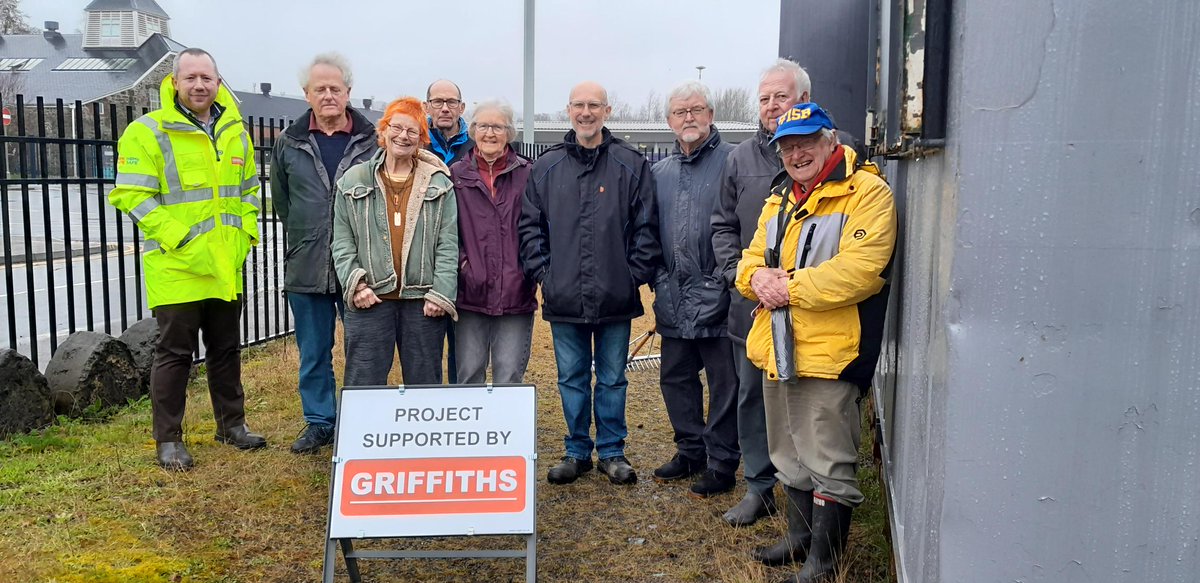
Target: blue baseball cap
x=803, y=119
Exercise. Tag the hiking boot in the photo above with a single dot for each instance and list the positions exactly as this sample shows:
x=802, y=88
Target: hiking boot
x=751, y=508
x=618, y=470
x=241, y=438
x=796, y=540
x=711, y=483
x=568, y=470
x=313, y=439
x=172, y=455
x=678, y=468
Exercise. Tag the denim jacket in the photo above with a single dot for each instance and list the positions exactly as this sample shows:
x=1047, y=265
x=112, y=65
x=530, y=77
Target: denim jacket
x=362, y=241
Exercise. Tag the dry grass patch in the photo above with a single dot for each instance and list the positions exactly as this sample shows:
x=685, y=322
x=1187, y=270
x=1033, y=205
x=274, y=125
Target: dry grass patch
x=84, y=502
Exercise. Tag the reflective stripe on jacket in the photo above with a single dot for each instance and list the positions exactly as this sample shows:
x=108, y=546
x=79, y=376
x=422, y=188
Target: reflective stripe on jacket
x=841, y=247
x=195, y=199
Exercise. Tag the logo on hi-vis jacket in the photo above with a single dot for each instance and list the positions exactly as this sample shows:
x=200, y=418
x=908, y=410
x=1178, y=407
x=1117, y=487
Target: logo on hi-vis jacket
x=130, y=160
x=859, y=234
x=237, y=161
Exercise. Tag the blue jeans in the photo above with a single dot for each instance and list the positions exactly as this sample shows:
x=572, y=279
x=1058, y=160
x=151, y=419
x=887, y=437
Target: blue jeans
x=573, y=355
x=316, y=317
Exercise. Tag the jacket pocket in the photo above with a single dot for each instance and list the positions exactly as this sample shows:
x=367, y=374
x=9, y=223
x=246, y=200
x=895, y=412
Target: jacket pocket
x=664, y=300
x=712, y=299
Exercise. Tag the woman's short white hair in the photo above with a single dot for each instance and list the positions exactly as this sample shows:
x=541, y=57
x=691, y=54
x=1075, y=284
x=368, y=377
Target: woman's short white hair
x=803, y=84
x=499, y=106
x=689, y=89
x=335, y=60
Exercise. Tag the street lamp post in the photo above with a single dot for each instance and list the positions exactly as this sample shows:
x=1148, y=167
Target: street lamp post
x=700, y=72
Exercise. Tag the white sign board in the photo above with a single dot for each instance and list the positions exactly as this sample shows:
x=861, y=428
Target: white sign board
x=434, y=461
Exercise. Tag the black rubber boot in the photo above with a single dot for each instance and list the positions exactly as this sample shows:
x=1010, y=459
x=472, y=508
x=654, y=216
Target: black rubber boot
x=794, y=546
x=831, y=529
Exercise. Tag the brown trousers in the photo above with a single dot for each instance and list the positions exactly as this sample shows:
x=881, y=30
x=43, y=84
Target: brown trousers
x=179, y=326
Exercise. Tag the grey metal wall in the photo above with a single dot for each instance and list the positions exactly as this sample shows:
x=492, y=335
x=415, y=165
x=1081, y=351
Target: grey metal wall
x=1046, y=424
x=829, y=39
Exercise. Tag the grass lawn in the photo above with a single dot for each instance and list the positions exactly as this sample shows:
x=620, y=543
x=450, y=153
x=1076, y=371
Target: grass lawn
x=83, y=501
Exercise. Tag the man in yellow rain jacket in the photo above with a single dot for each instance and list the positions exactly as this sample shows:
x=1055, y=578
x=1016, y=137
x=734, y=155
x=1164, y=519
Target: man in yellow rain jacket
x=816, y=266
x=186, y=176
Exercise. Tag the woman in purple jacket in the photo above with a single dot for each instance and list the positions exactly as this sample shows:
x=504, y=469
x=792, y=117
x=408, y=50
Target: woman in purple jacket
x=495, y=300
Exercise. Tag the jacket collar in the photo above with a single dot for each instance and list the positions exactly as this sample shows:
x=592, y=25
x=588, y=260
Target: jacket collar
x=512, y=161
x=781, y=185
x=226, y=106
x=580, y=154
x=440, y=142
x=710, y=143
x=299, y=128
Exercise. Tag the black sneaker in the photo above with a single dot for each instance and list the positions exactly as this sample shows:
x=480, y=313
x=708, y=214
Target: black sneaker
x=712, y=482
x=678, y=468
x=618, y=470
x=568, y=470
x=313, y=439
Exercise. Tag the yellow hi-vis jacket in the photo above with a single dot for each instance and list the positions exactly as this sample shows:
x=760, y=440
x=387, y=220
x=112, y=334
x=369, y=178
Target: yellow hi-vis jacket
x=194, y=198
x=837, y=248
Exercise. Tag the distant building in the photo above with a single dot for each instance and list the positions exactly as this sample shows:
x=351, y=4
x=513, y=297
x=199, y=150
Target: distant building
x=116, y=65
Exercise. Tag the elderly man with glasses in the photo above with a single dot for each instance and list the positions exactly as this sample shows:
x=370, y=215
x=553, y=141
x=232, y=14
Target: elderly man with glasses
x=589, y=235
x=691, y=301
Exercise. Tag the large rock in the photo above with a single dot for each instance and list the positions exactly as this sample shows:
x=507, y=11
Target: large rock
x=140, y=339
x=92, y=370
x=24, y=395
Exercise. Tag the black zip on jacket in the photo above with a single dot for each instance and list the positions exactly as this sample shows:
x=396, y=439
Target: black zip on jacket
x=589, y=230
x=302, y=195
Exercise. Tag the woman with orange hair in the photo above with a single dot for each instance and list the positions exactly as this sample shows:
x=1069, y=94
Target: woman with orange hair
x=395, y=251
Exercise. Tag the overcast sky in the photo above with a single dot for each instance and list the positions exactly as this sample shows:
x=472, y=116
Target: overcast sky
x=397, y=48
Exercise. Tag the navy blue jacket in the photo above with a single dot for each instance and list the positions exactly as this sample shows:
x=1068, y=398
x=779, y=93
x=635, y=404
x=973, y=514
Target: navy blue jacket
x=589, y=231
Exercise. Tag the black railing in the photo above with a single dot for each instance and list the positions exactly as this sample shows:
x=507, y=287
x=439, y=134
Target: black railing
x=73, y=262
x=74, y=258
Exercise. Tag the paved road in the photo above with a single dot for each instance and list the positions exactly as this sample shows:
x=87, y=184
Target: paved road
x=108, y=279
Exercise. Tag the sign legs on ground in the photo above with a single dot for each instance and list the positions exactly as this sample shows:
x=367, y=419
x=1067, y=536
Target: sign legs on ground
x=421, y=461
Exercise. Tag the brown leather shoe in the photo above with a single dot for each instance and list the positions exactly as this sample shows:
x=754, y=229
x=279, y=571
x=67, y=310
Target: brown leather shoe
x=241, y=438
x=172, y=455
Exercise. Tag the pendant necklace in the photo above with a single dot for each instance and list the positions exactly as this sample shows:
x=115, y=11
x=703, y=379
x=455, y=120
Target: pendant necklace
x=397, y=188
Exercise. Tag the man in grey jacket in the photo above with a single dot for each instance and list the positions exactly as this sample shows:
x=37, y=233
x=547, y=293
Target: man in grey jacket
x=306, y=162
x=691, y=302
x=744, y=186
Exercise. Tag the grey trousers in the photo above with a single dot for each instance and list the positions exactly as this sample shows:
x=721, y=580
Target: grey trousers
x=373, y=335
x=695, y=438
x=504, y=340
x=814, y=427
x=752, y=425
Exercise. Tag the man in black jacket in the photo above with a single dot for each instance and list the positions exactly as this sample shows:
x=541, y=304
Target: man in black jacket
x=589, y=236
x=306, y=162
x=691, y=301
x=751, y=167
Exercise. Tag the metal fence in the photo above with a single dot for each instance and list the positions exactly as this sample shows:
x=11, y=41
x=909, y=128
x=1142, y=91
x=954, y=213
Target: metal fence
x=73, y=262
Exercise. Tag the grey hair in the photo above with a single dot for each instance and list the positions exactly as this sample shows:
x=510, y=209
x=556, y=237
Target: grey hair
x=689, y=89
x=500, y=106
x=195, y=52
x=826, y=134
x=335, y=60
x=803, y=83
